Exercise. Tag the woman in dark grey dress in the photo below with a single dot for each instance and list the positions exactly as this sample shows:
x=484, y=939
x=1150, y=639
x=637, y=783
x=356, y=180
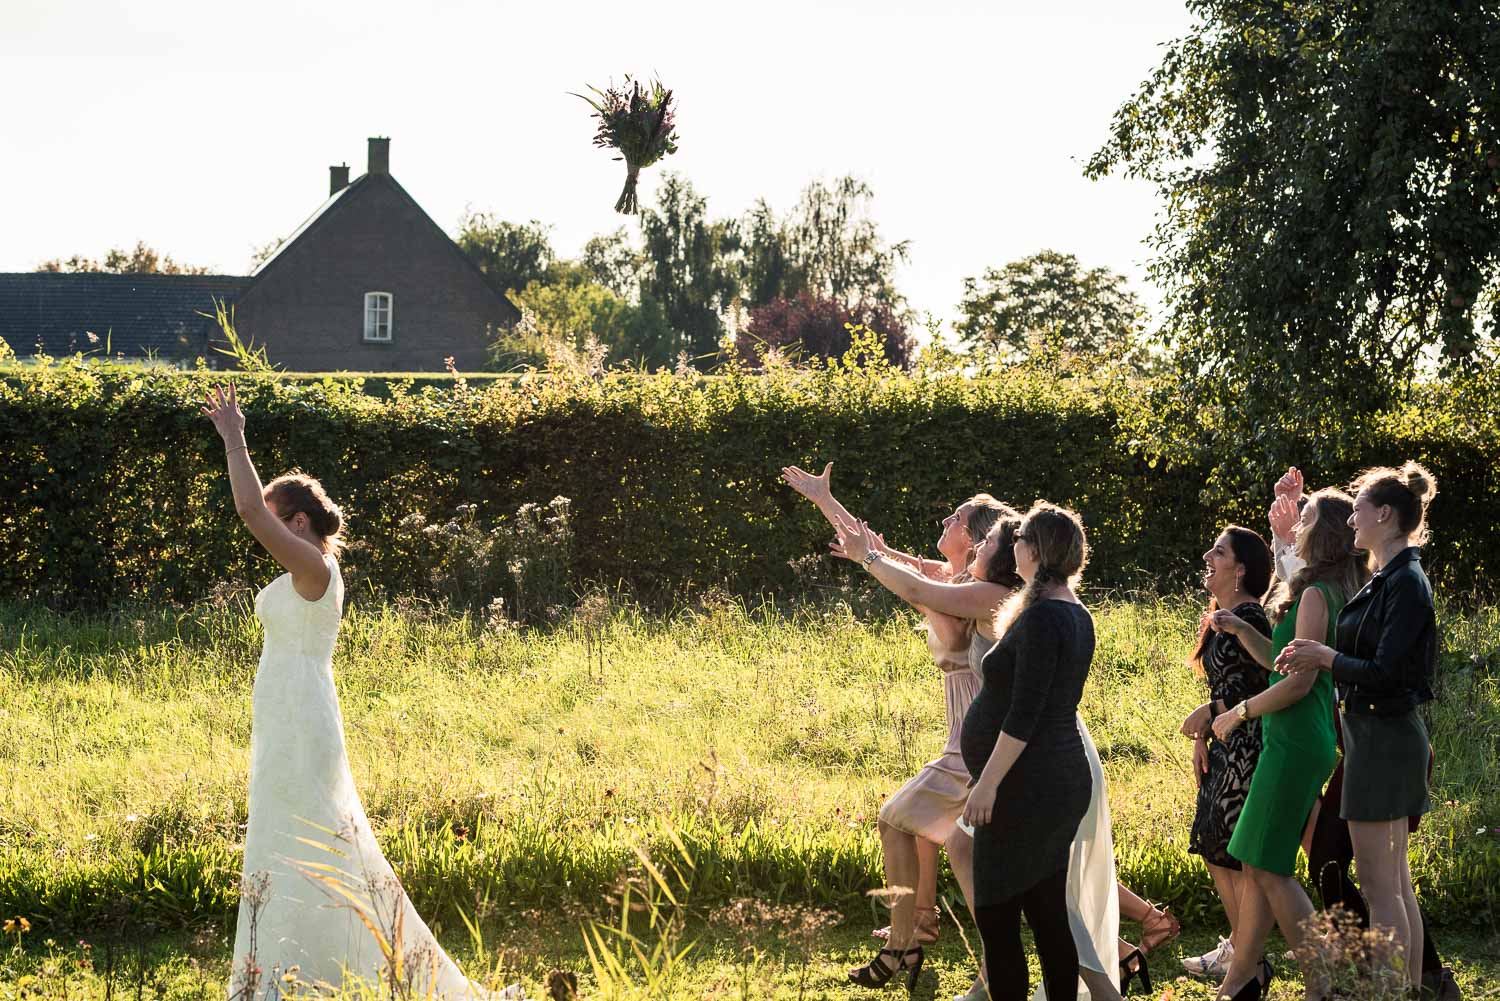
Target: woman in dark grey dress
x=1384, y=664
x=1031, y=776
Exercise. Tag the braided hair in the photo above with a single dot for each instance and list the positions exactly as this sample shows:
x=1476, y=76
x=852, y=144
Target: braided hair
x=1062, y=551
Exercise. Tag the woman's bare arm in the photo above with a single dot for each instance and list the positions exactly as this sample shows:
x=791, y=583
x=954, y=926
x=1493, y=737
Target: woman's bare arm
x=300, y=558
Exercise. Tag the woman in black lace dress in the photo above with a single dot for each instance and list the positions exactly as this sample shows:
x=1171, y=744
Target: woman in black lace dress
x=1238, y=572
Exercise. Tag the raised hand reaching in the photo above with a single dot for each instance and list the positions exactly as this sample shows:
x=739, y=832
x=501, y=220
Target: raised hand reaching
x=815, y=488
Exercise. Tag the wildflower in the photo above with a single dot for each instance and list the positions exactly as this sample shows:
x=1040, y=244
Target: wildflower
x=91, y=837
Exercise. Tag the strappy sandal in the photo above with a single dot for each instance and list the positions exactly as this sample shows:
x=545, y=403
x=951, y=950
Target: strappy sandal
x=925, y=927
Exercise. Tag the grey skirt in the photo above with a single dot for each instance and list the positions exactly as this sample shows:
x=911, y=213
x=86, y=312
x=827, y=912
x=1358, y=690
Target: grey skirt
x=1385, y=767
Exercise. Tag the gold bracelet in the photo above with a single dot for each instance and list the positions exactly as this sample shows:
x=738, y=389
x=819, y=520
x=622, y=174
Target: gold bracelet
x=231, y=451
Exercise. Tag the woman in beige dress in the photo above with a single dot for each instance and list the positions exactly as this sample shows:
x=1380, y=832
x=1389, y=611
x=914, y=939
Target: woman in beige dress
x=921, y=817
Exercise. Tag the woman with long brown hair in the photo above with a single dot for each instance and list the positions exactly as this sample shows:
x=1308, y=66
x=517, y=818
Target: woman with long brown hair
x=1297, y=738
x=1237, y=573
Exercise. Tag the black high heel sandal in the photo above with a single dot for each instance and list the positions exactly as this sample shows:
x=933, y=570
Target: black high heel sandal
x=1250, y=992
x=876, y=974
x=1130, y=969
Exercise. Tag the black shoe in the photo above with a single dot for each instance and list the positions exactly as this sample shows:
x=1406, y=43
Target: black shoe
x=1267, y=972
x=1440, y=985
x=1250, y=992
x=1132, y=966
x=878, y=974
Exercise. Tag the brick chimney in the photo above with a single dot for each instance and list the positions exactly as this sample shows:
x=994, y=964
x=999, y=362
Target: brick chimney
x=338, y=178
x=380, y=155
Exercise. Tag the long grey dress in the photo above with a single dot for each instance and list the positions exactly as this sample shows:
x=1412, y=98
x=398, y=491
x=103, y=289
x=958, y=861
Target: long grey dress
x=1033, y=682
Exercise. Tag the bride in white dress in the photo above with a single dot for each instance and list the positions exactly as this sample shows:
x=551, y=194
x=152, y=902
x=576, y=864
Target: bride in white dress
x=319, y=904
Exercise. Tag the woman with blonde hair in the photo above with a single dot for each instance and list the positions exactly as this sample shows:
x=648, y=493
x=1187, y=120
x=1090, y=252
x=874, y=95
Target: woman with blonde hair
x=1383, y=660
x=957, y=597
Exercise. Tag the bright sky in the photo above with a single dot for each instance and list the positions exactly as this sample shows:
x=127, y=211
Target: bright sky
x=206, y=129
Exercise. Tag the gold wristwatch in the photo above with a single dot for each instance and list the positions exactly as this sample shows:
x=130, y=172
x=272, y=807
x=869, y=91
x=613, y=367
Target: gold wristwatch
x=1243, y=710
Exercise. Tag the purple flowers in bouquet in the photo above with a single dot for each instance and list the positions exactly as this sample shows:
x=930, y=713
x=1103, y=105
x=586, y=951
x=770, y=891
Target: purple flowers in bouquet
x=638, y=122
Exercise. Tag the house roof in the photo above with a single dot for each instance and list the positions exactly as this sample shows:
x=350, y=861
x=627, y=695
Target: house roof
x=308, y=224
x=347, y=196
x=134, y=314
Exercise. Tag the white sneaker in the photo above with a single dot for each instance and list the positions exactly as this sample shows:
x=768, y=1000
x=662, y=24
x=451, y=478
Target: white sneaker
x=1212, y=964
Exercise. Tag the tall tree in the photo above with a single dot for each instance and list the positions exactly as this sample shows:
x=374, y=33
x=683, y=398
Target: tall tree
x=512, y=255
x=1046, y=306
x=766, y=269
x=1328, y=175
x=690, y=271
x=142, y=260
x=571, y=308
x=835, y=249
x=615, y=261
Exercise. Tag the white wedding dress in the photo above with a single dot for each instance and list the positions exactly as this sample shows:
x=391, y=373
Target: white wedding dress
x=316, y=888
x=1093, y=903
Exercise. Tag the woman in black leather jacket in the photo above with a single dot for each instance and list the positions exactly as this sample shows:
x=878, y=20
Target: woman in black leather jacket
x=1387, y=652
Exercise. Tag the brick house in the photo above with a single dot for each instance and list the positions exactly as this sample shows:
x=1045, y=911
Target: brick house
x=367, y=283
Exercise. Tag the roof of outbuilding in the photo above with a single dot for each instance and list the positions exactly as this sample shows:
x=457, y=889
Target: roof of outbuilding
x=134, y=315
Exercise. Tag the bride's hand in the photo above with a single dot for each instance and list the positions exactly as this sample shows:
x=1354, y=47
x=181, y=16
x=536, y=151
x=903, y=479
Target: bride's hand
x=223, y=408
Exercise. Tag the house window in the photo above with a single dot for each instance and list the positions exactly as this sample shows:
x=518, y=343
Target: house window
x=378, y=315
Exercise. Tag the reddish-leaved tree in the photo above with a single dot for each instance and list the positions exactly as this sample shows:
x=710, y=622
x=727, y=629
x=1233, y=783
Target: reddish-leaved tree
x=806, y=326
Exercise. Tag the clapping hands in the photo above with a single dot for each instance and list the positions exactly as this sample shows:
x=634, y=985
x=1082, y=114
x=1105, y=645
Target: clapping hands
x=1299, y=656
x=1284, y=516
x=1290, y=485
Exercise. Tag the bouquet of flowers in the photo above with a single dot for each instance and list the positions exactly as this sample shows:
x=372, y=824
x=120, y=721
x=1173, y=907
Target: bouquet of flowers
x=638, y=122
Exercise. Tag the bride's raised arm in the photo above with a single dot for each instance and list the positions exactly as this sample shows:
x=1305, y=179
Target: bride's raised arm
x=283, y=538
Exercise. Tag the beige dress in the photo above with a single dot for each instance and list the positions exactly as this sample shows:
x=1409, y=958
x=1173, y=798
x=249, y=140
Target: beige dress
x=929, y=805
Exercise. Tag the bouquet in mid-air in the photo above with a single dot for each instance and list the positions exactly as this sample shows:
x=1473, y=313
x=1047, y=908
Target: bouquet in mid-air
x=638, y=122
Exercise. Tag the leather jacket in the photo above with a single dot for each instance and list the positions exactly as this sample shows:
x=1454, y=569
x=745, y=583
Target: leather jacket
x=1387, y=641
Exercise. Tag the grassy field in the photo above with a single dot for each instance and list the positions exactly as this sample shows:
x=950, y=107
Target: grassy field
x=516, y=777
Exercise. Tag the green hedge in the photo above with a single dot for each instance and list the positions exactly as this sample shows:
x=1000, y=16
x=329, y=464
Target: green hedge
x=112, y=483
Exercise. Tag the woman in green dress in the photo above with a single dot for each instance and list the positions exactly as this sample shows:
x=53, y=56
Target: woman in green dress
x=1298, y=746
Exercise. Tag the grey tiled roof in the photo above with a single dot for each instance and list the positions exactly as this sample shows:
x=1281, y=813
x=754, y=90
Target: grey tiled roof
x=137, y=314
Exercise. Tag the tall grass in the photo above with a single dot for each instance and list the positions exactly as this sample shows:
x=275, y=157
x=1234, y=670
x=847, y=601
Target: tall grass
x=507, y=771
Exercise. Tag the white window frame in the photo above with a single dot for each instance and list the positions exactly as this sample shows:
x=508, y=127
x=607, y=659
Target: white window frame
x=372, y=317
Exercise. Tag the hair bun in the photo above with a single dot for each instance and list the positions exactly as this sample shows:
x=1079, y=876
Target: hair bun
x=1419, y=481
